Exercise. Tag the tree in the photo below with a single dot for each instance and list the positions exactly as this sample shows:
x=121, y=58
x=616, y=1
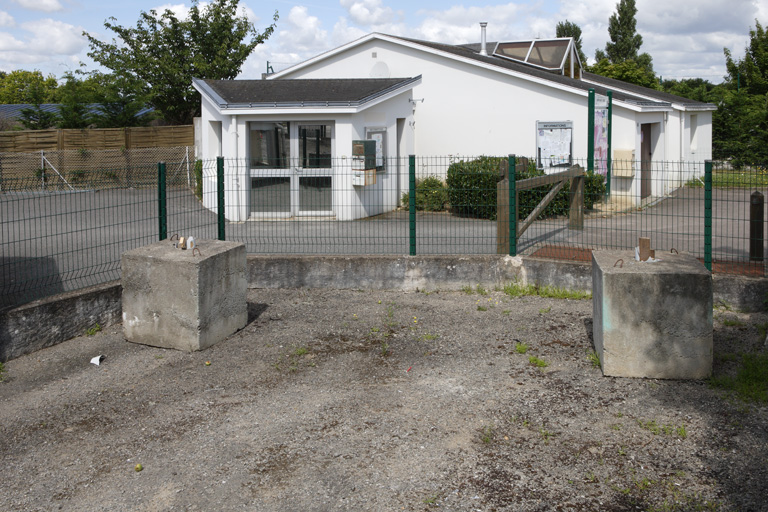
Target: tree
x=569, y=29
x=751, y=72
x=75, y=97
x=22, y=86
x=37, y=118
x=119, y=102
x=162, y=53
x=740, y=125
x=621, y=58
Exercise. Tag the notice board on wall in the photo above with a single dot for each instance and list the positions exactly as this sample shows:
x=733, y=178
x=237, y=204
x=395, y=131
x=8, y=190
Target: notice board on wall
x=554, y=145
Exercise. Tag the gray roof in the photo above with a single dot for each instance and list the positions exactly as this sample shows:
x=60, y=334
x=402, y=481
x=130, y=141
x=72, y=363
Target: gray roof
x=630, y=93
x=300, y=92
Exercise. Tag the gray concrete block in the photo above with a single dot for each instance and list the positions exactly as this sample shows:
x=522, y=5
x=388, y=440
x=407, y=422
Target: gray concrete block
x=652, y=319
x=177, y=299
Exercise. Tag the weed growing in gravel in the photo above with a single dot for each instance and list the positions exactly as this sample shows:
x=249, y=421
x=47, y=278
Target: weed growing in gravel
x=517, y=290
x=486, y=435
x=93, y=330
x=428, y=337
x=751, y=380
x=431, y=500
x=593, y=358
x=300, y=351
x=762, y=329
x=467, y=289
x=539, y=363
x=481, y=290
x=732, y=322
x=2, y=372
x=546, y=435
x=543, y=311
x=374, y=329
x=667, y=430
x=521, y=348
x=482, y=308
x=385, y=349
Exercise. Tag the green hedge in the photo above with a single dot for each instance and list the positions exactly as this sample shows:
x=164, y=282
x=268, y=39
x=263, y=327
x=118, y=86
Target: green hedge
x=472, y=189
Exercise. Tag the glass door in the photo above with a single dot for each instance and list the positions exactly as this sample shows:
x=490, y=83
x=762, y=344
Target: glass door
x=291, y=169
x=314, y=169
x=270, y=169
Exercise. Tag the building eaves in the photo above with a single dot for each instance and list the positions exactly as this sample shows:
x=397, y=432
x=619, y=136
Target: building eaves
x=300, y=93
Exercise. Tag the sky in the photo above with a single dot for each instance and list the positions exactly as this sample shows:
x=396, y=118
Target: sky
x=685, y=37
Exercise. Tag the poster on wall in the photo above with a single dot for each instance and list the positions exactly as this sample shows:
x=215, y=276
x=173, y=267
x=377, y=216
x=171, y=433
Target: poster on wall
x=600, y=134
x=378, y=134
x=554, y=145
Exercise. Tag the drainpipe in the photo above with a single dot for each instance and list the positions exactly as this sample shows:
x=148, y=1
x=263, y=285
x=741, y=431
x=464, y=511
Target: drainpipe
x=483, y=24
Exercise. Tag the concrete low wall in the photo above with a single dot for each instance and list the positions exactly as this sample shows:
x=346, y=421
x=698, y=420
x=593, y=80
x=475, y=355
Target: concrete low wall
x=58, y=318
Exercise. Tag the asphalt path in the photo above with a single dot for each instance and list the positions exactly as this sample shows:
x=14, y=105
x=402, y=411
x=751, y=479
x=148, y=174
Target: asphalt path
x=61, y=241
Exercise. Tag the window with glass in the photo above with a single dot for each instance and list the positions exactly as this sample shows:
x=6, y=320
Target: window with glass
x=315, y=146
x=269, y=145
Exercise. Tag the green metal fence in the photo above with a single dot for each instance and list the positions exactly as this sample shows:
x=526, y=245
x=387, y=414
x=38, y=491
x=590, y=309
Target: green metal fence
x=58, y=237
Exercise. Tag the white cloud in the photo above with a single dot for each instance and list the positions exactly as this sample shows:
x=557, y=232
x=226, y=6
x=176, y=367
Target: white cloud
x=303, y=33
x=41, y=5
x=370, y=12
x=180, y=11
x=6, y=20
x=52, y=36
x=9, y=43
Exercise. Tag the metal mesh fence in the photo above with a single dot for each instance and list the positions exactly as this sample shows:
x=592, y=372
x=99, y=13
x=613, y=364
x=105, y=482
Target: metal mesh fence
x=61, y=234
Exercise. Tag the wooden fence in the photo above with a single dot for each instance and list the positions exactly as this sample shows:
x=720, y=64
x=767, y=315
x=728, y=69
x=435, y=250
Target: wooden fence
x=97, y=139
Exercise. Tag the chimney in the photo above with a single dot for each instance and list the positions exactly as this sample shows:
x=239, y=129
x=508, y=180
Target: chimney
x=483, y=24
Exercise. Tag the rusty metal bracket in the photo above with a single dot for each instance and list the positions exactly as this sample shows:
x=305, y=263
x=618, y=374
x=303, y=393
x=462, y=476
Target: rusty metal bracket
x=619, y=261
x=198, y=251
x=673, y=251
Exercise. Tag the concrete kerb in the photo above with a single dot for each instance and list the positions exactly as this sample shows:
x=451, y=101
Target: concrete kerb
x=61, y=317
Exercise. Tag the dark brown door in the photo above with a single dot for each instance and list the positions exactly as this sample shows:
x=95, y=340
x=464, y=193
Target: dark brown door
x=645, y=161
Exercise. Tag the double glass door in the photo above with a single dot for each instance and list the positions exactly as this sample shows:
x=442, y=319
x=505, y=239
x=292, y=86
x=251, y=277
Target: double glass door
x=291, y=169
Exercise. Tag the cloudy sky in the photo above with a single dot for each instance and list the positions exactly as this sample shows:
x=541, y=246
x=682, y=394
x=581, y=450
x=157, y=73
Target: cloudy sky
x=685, y=37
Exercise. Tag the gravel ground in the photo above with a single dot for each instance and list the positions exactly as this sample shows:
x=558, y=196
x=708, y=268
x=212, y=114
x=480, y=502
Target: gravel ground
x=357, y=400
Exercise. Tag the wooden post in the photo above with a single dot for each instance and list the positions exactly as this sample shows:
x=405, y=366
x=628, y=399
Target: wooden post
x=645, y=248
x=576, y=203
x=502, y=209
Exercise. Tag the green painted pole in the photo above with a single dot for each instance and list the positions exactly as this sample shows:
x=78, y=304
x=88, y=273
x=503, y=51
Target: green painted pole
x=610, y=137
x=220, y=196
x=162, y=202
x=412, y=204
x=591, y=131
x=708, y=215
x=512, y=202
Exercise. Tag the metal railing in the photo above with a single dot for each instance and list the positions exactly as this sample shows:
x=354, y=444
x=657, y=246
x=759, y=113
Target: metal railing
x=57, y=239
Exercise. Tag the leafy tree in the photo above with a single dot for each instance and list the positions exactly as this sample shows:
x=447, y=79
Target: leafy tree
x=22, y=86
x=162, y=53
x=35, y=118
x=628, y=71
x=569, y=29
x=119, y=102
x=621, y=58
x=751, y=72
x=75, y=97
x=740, y=125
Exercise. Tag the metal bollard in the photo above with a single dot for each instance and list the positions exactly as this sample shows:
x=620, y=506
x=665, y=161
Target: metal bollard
x=756, y=216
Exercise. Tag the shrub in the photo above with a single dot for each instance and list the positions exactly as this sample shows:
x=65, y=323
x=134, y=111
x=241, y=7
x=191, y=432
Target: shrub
x=594, y=189
x=472, y=187
x=198, y=170
x=431, y=195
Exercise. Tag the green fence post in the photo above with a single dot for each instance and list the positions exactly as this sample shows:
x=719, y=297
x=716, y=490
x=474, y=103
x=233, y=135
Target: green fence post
x=512, y=202
x=162, y=202
x=608, y=156
x=220, y=195
x=591, y=131
x=412, y=204
x=708, y=215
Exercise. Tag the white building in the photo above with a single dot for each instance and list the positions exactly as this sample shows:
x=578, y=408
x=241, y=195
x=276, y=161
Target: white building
x=527, y=98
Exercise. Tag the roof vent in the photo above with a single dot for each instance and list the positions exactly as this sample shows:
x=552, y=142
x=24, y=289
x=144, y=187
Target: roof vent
x=483, y=24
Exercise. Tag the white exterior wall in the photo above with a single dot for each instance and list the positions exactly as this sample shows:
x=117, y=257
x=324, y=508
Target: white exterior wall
x=466, y=110
x=349, y=202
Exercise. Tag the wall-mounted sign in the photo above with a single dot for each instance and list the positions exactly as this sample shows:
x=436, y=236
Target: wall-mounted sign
x=554, y=145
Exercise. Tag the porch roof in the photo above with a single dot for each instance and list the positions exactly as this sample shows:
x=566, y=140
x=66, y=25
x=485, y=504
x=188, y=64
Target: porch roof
x=298, y=93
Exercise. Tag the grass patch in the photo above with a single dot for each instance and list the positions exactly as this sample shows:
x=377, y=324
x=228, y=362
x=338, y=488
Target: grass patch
x=93, y=330
x=521, y=348
x=732, y=322
x=2, y=372
x=482, y=308
x=538, y=363
x=732, y=178
x=751, y=380
x=593, y=358
x=518, y=290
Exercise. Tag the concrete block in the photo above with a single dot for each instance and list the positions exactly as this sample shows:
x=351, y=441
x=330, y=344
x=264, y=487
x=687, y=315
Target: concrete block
x=177, y=299
x=652, y=319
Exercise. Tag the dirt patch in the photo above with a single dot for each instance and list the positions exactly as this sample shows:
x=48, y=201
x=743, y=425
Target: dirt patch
x=357, y=400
